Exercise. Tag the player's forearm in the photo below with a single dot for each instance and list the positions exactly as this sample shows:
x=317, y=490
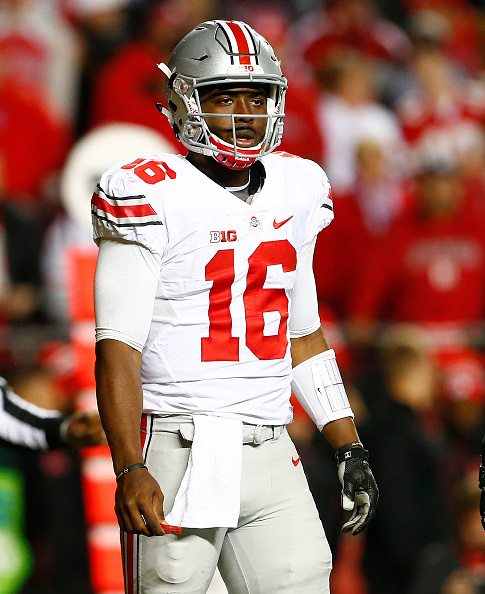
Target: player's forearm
x=340, y=432
x=305, y=347
x=119, y=395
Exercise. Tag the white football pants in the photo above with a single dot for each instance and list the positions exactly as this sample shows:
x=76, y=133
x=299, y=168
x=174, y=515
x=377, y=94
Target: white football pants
x=278, y=547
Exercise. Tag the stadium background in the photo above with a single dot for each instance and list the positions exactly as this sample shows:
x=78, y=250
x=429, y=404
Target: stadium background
x=389, y=97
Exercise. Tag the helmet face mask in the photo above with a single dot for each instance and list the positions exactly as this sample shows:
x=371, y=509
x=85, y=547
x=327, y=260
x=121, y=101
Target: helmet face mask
x=222, y=54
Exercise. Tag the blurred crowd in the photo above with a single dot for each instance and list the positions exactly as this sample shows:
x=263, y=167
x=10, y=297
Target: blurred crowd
x=389, y=97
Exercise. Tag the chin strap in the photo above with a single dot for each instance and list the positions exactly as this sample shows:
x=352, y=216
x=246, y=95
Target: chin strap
x=242, y=160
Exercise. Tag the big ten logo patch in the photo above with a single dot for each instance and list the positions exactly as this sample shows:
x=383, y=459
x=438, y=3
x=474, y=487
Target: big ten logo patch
x=222, y=236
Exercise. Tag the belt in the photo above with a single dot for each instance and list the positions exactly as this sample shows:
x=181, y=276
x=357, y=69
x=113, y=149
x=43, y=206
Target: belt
x=260, y=433
x=255, y=434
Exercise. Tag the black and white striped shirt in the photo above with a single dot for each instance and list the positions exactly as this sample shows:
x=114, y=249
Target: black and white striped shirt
x=27, y=425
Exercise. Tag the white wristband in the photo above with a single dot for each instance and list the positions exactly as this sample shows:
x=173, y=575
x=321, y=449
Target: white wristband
x=318, y=385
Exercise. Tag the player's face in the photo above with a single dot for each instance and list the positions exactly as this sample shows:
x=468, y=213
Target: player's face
x=247, y=101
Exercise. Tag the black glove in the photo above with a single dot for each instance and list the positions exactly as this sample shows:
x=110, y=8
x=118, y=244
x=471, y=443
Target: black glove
x=481, y=484
x=359, y=489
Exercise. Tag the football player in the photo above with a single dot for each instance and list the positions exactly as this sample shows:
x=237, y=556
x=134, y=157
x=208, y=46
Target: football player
x=26, y=425
x=205, y=300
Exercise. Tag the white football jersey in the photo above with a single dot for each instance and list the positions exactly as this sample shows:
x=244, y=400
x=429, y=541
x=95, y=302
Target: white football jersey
x=219, y=338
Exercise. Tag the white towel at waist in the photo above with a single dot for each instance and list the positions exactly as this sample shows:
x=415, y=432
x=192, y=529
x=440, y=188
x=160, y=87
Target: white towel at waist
x=209, y=495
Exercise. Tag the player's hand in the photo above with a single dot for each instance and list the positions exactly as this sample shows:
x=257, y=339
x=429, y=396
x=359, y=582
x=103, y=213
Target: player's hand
x=139, y=504
x=481, y=484
x=83, y=429
x=359, y=489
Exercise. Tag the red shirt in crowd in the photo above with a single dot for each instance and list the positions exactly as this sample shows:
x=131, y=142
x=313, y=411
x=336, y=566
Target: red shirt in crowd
x=371, y=35
x=128, y=87
x=425, y=271
x=343, y=249
x=33, y=143
x=301, y=136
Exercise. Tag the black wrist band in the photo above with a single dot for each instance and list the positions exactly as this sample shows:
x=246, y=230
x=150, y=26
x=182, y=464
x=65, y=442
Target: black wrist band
x=130, y=468
x=353, y=449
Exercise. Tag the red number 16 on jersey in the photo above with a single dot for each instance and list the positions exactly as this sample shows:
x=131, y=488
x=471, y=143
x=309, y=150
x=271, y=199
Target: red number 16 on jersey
x=220, y=345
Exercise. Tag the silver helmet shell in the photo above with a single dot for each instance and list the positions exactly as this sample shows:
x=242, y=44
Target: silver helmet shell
x=222, y=53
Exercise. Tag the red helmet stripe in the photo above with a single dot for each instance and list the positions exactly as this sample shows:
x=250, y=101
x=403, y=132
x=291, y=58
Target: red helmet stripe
x=242, y=42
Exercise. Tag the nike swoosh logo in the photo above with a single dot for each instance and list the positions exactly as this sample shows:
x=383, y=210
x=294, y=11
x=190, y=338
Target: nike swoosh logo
x=295, y=462
x=278, y=225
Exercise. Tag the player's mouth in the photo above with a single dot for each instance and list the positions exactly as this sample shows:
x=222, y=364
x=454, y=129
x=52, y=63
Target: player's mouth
x=245, y=138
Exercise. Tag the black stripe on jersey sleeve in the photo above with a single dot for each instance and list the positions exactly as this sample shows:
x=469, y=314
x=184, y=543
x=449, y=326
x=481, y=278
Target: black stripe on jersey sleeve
x=127, y=224
x=327, y=206
x=137, y=197
x=50, y=425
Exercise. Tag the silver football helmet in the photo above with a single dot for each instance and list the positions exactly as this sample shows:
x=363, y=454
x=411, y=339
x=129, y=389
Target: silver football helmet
x=222, y=53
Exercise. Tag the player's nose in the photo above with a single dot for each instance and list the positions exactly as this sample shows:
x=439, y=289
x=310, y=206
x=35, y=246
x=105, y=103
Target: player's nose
x=243, y=106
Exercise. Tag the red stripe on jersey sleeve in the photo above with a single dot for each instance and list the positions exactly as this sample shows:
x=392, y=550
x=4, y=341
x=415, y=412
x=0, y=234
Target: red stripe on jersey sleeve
x=120, y=212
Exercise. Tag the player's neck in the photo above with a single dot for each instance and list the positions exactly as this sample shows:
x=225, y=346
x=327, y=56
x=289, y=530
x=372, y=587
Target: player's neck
x=218, y=173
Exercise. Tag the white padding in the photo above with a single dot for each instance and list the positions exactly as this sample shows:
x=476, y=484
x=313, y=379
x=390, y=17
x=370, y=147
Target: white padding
x=125, y=286
x=304, y=317
x=318, y=385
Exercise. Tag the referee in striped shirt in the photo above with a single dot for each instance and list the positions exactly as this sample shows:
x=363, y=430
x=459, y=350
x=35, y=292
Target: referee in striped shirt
x=29, y=426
